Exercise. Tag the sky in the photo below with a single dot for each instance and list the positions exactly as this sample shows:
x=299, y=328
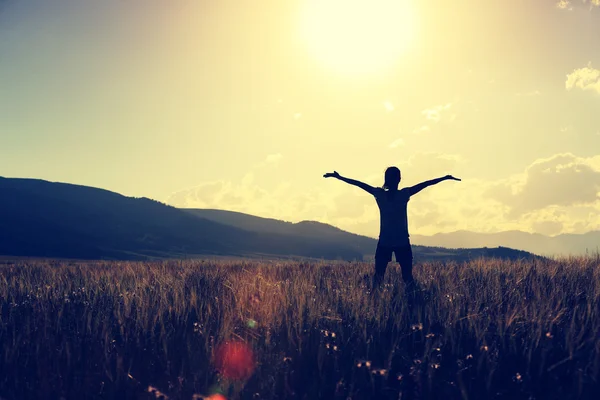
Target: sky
x=244, y=104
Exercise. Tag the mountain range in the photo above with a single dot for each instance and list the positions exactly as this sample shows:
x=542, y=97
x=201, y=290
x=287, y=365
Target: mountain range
x=47, y=219
x=564, y=244
x=364, y=244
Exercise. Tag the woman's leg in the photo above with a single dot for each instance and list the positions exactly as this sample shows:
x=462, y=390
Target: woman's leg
x=405, y=258
x=380, y=267
x=383, y=255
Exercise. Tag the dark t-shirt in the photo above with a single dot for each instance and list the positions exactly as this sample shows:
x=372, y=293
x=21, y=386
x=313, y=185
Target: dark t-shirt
x=393, y=227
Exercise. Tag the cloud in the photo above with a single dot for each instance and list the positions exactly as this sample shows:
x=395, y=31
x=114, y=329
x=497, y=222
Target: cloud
x=273, y=158
x=350, y=204
x=561, y=180
x=245, y=196
x=202, y=196
x=564, y=5
x=548, y=227
x=586, y=78
x=249, y=197
x=435, y=114
x=554, y=195
x=397, y=143
x=421, y=129
x=444, y=113
x=219, y=194
x=568, y=5
x=427, y=214
x=269, y=162
x=554, y=220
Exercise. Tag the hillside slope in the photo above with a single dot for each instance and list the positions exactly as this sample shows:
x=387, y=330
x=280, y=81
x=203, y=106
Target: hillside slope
x=363, y=244
x=40, y=218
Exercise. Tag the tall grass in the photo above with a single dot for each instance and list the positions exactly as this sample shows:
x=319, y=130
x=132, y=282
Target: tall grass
x=526, y=329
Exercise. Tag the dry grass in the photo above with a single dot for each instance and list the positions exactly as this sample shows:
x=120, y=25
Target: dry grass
x=485, y=329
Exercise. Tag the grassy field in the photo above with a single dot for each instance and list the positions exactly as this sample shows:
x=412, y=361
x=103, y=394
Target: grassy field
x=484, y=329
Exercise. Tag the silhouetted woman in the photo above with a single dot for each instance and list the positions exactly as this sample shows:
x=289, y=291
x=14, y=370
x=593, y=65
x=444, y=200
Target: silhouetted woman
x=393, y=233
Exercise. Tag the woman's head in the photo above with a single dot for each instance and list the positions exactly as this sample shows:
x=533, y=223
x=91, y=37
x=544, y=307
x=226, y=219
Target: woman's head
x=392, y=178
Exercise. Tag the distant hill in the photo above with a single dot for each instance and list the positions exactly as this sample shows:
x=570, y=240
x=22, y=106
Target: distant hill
x=45, y=219
x=575, y=244
x=363, y=244
x=304, y=229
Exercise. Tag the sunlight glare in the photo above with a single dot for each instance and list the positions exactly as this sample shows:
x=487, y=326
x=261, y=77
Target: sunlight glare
x=358, y=36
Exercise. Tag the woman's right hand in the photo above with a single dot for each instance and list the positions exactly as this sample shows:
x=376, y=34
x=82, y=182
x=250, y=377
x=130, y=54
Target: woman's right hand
x=451, y=178
x=333, y=174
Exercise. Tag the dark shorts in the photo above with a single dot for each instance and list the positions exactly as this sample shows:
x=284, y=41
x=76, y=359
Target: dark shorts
x=403, y=253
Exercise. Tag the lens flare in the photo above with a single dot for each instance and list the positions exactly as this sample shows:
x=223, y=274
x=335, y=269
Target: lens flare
x=216, y=397
x=251, y=323
x=235, y=360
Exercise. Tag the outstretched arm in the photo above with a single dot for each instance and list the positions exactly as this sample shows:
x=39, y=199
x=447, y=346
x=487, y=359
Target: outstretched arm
x=417, y=188
x=354, y=182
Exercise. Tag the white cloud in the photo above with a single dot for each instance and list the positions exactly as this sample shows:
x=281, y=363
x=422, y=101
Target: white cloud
x=273, y=158
x=566, y=129
x=248, y=197
x=568, y=4
x=350, y=205
x=269, y=162
x=248, y=179
x=421, y=129
x=445, y=113
x=199, y=196
x=561, y=180
x=559, y=194
x=548, y=227
x=564, y=5
x=388, y=106
x=586, y=78
x=555, y=195
x=435, y=114
x=397, y=143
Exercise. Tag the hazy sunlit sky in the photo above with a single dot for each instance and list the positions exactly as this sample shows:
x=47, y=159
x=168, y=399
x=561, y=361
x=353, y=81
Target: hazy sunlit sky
x=245, y=104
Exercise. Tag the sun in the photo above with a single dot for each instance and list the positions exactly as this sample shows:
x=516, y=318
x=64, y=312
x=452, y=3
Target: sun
x=358, y=36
